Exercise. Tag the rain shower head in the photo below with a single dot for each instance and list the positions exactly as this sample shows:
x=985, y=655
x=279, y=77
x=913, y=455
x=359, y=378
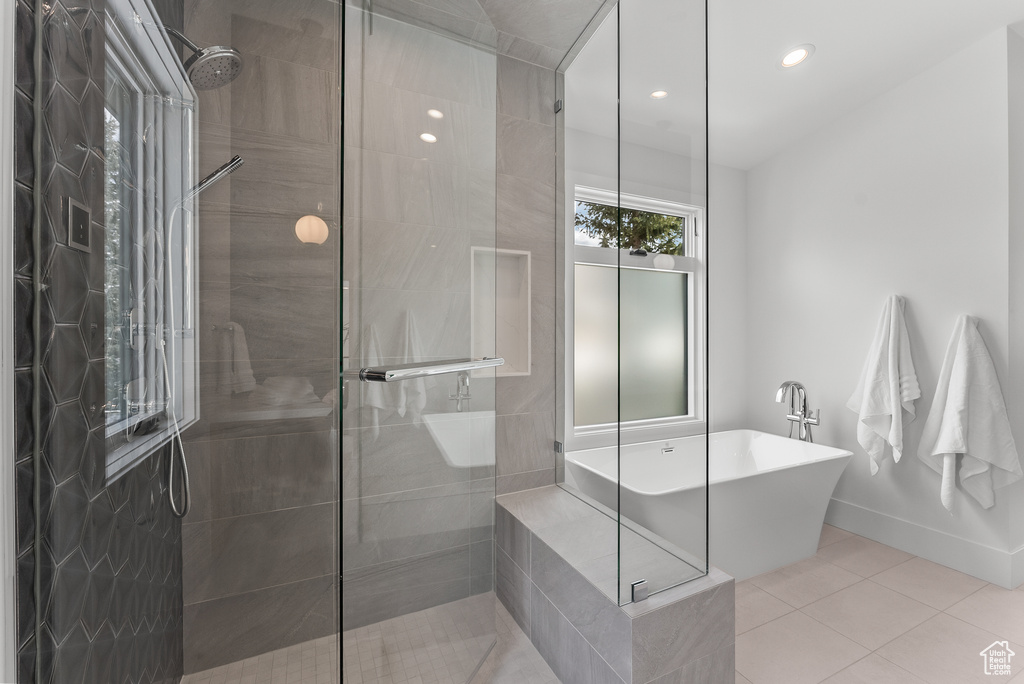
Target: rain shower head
x=209, y=67
x=213, y=67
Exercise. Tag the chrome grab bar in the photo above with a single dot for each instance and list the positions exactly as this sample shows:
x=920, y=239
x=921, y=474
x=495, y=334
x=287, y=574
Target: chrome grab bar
x=411, y=371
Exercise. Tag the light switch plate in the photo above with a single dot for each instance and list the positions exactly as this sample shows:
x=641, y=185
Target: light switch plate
x=78, y=220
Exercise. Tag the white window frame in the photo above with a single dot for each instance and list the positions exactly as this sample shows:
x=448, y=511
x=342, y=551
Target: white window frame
x=632, y=432
x=139, y=49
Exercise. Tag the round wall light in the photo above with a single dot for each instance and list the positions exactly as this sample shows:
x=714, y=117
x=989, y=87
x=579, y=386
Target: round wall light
x=311, y=230
x=796, y=55
x=428, y=137
x=659, y=94
x=435, y=113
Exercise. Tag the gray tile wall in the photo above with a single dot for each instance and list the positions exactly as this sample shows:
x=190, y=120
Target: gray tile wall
x=24, y=183
x=110, y=554
x=260, y=545
x=525, y=196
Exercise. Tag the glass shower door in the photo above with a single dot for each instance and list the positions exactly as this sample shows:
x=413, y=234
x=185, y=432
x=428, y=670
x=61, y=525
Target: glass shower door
x=418, y=421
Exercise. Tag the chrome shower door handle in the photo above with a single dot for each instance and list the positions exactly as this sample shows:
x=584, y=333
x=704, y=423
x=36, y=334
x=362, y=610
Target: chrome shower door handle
x=412, y=371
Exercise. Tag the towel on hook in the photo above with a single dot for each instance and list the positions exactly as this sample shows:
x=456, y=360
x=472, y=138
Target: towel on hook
x=236, y=372
x=888, y=387
x=968, y=417
x=412, y=394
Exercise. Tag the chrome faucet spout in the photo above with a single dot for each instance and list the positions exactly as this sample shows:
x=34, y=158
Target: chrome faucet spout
x=798, y=415
x=461, y=393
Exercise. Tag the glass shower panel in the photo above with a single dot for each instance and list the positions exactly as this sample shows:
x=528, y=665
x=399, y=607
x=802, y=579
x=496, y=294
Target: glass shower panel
x=259, y=546
x=588, y=130
x=420, y=271
x=662, y=295
x=634, y=421
x=173, y=305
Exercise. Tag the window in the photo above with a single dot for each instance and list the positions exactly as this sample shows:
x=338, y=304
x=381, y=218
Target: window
x=637, y=274
x=149, y=246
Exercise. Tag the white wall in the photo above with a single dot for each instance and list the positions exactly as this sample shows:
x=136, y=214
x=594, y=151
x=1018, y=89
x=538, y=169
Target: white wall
x=907, y=195
x=727, y=306
x=591, y=161
x=1015, y=391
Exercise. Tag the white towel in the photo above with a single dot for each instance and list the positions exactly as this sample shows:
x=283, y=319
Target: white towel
x=375, y=394
x=888, y=387
x=236, y=371
x=968, y=417
x=412, y=394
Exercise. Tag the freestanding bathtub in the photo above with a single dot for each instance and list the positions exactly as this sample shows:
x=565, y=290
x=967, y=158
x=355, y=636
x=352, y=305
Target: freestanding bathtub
x=765, y=502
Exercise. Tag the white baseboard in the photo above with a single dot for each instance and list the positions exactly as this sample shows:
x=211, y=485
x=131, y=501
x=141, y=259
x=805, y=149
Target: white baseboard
x=1003, y=568
x=1017, y=567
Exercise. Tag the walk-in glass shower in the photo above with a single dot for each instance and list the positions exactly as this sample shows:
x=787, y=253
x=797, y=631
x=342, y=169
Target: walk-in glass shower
x=291, y=290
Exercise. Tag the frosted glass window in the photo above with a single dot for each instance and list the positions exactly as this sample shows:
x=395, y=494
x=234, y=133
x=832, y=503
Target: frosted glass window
x=649, y=376
x=595, y=350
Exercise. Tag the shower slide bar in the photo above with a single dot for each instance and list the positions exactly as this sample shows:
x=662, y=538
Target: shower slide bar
x=411, y=371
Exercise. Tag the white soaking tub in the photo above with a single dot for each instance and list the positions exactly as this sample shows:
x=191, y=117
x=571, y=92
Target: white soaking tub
x=765, y=504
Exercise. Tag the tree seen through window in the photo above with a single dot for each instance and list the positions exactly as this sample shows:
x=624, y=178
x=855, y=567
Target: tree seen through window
x=623, y=228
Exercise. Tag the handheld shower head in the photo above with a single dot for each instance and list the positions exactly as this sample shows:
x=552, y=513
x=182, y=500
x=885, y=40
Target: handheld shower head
x=224, y=170
x=210, y=67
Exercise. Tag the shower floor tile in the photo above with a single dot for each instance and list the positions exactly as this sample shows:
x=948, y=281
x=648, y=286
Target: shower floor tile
x=441, y=645
x=444, y=645
x=312, y=662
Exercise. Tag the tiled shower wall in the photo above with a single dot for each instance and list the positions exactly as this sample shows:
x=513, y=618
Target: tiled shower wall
x=525, y=427
x=109, y=555
x=532, y=41
x=259, y=546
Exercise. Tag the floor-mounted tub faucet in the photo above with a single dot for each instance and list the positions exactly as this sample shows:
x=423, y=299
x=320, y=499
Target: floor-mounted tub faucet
x=461, y=393
x=798, y=413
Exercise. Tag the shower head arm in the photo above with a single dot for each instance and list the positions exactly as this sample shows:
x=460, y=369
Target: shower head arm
x=180, y=36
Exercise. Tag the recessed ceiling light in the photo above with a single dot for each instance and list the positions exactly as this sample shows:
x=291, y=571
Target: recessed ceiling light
x=659, y=94
x=435, y=114
x=427, y=137
x=797, y=55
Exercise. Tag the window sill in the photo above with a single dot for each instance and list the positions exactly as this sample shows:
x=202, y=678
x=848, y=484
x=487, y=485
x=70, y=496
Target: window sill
x=601, y=436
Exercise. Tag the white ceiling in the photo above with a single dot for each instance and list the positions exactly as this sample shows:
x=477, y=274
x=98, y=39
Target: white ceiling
x=863, y=49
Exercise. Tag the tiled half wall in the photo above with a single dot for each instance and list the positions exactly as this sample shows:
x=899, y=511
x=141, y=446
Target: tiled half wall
x=681, y=635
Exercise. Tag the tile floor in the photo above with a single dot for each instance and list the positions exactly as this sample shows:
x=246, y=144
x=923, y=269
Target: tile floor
x=312, y=662
x=444, y=645
x=860, y=612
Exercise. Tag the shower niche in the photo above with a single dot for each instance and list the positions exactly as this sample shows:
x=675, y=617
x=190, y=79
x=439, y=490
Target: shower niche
x=501, y=308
